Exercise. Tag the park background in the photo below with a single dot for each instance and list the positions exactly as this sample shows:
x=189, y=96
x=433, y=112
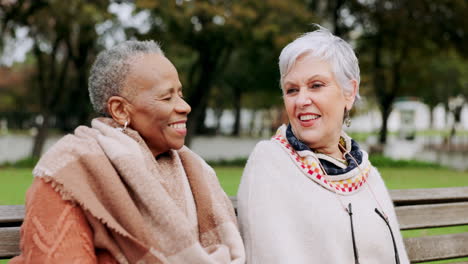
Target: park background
x=413, y=55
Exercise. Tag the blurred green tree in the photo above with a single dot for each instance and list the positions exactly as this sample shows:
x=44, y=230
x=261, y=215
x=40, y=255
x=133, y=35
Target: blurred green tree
x=395, y=35
x=202, y=36
x=64, y=43
x=443, y=76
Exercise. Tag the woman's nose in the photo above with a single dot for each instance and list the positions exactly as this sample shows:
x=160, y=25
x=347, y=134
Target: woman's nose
x=303, y=99
x=182, y=106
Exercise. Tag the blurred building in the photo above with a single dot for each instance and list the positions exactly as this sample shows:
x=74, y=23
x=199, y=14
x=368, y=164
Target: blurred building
x=408, y=115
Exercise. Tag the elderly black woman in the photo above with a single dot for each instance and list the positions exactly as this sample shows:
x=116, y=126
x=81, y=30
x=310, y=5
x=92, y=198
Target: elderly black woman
x=126, y=189
x=310, y=194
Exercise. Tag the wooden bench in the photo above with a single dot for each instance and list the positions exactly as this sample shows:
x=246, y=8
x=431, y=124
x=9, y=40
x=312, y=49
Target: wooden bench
x=416, y=209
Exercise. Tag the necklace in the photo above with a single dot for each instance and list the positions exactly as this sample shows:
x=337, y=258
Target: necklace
x=341, y=145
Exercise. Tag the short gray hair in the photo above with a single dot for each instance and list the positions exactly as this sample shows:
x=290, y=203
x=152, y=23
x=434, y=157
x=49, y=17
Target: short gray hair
x=322, y=44
x=110, y=70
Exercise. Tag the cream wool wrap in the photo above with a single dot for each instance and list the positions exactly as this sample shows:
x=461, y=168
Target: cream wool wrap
x=289, y=212
x=121, y=188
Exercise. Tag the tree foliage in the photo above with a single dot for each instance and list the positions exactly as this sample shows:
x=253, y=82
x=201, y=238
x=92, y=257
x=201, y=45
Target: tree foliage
x=213, y=34
x=65, y=43
x=226, y=51
x=399, y=36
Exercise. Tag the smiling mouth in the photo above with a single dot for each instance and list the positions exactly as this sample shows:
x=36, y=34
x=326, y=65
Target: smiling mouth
x=178, y=125
x=308, y=117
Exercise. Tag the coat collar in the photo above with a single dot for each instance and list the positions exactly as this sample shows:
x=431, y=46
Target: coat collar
x=347, y=182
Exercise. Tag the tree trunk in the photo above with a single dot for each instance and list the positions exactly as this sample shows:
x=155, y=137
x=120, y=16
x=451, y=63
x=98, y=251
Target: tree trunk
x=41, y=136
x=201, y=128
x=337, y=30
x=453, y=131
x=218, y=114
x=51, y=79
x=252, y=123
x=385, y=112
x=237, y=111
x=431, y=117
x=211, y=61
x=199, y=98
x=380, y=88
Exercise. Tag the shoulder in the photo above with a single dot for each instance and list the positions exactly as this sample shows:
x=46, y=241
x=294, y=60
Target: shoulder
x=374, y=172
x=82, y=140
x=265, y=149
x=267, y=158
x=375, y=179
x=69, y=148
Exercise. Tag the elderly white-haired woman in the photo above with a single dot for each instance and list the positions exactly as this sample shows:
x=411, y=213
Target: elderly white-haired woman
x=310, y=194
x=126, y=190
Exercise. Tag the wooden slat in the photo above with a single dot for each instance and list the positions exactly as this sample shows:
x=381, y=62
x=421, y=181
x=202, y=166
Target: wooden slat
x=436, y=215
x=9, y=242
x=410, y=217
x=400, y=197
x=437, y=247
x=11, y=214
x=429, y=196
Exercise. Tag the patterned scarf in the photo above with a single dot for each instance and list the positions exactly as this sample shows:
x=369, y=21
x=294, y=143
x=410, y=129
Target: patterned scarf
x=329, y=167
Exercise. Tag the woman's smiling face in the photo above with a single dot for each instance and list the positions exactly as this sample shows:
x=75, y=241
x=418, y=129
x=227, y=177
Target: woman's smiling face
x=315, y=103
x=158, y=111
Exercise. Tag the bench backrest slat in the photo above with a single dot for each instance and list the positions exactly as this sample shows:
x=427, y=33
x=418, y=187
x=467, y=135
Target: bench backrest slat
x=437, y=247
x=434, y=215
x=10, y=214
x=9, y=242
x=429, y=196
x=415, y=208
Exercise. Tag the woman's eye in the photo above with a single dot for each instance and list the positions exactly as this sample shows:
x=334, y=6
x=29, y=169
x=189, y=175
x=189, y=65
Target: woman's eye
x=291, y=90
x=316, y=85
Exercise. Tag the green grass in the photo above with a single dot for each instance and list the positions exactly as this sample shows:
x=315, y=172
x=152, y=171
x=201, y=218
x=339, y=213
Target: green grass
x=229, y=177
x=408, y=178
x=395, y=178
x=15, y=181
x=13, y=185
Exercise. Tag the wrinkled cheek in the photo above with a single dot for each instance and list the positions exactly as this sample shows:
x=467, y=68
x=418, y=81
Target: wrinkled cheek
x=290, y=110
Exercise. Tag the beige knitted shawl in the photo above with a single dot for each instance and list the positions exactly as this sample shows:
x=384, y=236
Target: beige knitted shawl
x=117, y=182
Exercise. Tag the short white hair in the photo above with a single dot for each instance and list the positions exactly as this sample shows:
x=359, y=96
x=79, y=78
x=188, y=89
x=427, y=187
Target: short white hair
x=322, y=44
x=110, y=70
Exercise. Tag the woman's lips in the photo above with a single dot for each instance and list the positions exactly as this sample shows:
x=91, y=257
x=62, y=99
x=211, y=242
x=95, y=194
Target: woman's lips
x=180, y=127
x=308, y=119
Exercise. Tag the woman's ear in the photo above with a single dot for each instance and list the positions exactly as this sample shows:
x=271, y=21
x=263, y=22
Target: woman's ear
x=118, y=108
x=351, y=95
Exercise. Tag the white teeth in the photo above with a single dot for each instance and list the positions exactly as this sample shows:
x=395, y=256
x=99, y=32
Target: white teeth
x=178, y=125
x=308, y=117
